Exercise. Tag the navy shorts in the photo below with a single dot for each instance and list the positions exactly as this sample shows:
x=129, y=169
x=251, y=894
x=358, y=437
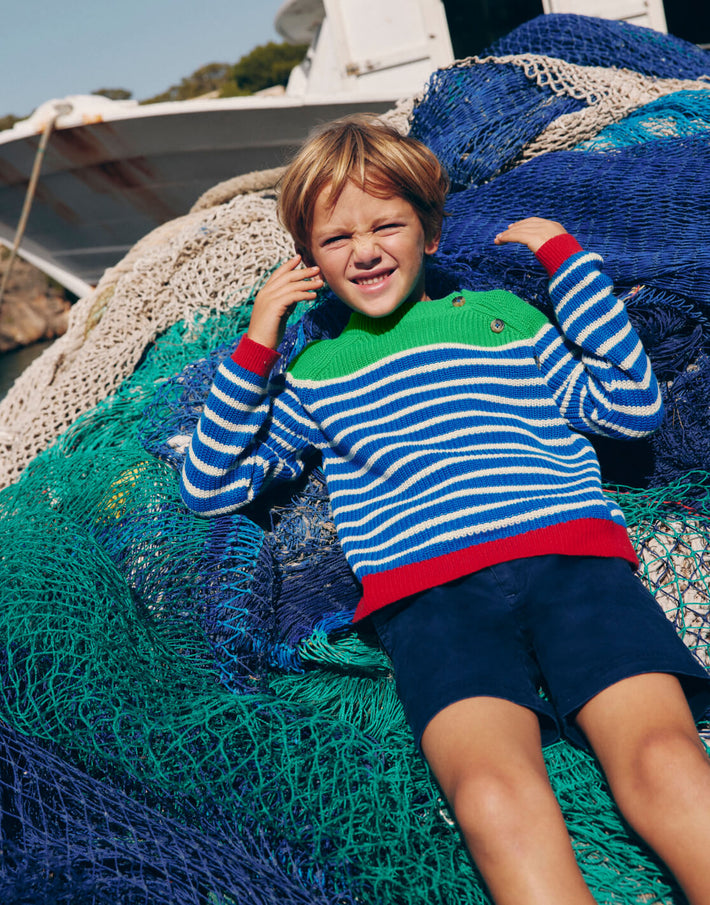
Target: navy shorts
x=547, y=632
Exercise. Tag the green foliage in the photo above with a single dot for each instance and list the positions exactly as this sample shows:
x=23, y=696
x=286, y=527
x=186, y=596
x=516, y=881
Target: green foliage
x=263, y=67
x=114, y=94
x=203, y=81
x=7, y=122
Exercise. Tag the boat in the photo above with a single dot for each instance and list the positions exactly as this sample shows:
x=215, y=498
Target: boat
x=646, y=13
x=113, y=170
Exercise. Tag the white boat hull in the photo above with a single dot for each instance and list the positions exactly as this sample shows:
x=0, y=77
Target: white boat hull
x=104, y=185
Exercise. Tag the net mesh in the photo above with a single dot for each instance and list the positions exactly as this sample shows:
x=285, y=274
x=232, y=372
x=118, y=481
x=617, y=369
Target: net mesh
x=677, y=115
x=484, y=115
x=288, y=745
x=588, y=41
x=187, y=713
x=207, y=260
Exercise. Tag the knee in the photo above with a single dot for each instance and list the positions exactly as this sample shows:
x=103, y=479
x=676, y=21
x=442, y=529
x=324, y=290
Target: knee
x=494, y=805
x=665, y=765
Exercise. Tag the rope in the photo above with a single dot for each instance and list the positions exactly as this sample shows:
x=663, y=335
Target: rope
x=60, y=110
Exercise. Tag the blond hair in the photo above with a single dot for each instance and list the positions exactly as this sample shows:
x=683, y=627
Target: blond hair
x=374, y=156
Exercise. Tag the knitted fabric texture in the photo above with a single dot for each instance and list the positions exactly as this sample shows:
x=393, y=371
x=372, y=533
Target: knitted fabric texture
x=407, y=428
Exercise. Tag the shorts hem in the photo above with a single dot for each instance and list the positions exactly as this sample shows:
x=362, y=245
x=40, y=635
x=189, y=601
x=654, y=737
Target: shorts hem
x=550, y=728
x=628, y=671
x=698, y=698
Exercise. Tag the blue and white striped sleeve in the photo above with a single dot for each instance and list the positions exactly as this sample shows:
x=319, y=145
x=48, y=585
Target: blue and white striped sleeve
x=248, y=436
x=594, y=363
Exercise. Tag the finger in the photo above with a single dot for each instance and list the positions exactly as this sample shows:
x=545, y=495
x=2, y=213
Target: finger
x=309, y=280
x=290, y=272
x=289, y=265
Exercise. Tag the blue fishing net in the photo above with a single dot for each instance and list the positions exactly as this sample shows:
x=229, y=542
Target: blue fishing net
x=477, y=118
x=674, y=330
x=70, y=839
x=640, y=207
x=683, y=443
x=588, y=41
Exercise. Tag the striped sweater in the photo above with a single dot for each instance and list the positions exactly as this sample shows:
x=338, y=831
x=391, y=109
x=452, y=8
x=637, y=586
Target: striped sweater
x=448, y=429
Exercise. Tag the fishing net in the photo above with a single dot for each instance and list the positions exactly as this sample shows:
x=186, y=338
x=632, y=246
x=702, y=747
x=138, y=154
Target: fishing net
x=485, y=114
x=187, y=713
x=206, y=260
x=639, y=207
x=128, y=726
x=677, y=115
x=588, y=41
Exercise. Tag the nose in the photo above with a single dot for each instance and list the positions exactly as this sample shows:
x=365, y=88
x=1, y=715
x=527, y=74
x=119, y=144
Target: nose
x=366, y=252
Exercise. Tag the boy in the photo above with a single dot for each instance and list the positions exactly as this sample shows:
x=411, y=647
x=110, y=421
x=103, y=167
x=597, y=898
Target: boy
x=471, y=509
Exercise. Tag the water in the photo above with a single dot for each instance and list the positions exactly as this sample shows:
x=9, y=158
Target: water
x=12, y=364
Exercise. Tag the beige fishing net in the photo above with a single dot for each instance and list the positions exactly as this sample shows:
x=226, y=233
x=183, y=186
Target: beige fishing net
x=610, y=95
x=206, y=261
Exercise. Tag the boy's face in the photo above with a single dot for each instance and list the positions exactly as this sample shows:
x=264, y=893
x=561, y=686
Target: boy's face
x=370, y=250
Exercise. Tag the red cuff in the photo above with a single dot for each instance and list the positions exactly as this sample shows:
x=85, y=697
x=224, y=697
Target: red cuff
x=553, y=253
x=254, y=357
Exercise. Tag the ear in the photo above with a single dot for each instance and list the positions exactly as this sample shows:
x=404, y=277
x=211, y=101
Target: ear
x=306, y=256
x=431, y=246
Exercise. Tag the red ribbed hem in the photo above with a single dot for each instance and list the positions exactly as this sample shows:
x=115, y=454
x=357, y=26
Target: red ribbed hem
x=254, y=357
x=553, y=254
x=583, y=537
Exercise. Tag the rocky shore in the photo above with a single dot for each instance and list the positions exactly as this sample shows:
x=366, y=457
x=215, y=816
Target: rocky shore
x=33, y=307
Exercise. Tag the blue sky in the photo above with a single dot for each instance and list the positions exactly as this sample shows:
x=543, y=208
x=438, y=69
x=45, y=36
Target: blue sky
x=52, y=48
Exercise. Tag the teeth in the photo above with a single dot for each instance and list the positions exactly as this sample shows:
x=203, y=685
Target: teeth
x=372, y=280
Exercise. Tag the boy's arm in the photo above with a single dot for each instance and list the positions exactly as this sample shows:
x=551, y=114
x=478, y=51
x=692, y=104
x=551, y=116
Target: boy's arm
x=594, y=364
x=247, y=437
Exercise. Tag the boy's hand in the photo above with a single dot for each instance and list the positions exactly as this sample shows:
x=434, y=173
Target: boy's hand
x=533, y=232
x=287, y=285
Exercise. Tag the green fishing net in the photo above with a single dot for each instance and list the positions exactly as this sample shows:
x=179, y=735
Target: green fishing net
x=297, y=770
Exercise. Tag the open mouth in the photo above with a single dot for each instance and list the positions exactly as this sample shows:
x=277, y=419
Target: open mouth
x=373, y=279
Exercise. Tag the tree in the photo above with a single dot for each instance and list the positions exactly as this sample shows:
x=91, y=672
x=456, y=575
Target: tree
x=263, y=67
x=204, y=80
x=7, y=122
x=114, y=94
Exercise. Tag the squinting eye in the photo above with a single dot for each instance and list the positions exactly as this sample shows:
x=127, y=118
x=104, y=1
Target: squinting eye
x=333, y=240
x=387, y=228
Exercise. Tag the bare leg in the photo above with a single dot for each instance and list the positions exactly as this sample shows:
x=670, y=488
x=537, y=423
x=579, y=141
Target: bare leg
x=643, y=733
x=487, y=757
